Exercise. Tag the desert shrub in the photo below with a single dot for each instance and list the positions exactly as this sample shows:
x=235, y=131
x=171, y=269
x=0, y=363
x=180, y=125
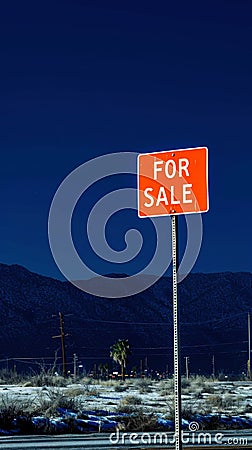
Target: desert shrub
x=91, y=391
x=108, y=383
x=8, y=376
x=74, y=391
x=127, y=409
x=145, y=390
x=131, y=400
x=167, y=383
x=184, y=383
x=195, y=385
x=13, y=406
x=228, y=401
x=120, y=387
x=166, y=387
x=143, y=383
x=214, y=400
x=12, y=411
x=197, y=394
x=140, y=422
x=87, y=381
x=221, y=402
x=68, y=403
x=212, y=424
x=46, y=379
x=198, y=381
x=222, y=377
x=54, y=398
x=187, y=412
x=170, y=411
x=60, y=381
x=208, y=389
x=164, y=392
x=248, y=408
x=129, y=404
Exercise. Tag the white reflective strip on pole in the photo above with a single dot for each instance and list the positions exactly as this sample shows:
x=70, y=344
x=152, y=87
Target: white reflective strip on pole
x=176, y=334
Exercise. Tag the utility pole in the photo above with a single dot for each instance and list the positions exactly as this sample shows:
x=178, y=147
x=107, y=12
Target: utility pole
x=141, y=368
x=146, y=366
x=75, y=359
x=213, y=367
x=63, y=347
x=249, y=348
x=187, y=367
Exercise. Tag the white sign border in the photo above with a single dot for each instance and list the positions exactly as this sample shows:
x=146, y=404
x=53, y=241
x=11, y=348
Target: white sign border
x=172, y=213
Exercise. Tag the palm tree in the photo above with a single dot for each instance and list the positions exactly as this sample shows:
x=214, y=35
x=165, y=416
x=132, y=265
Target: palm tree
x=119, y=352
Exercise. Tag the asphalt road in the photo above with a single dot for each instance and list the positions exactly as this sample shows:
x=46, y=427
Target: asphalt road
x=218, y=440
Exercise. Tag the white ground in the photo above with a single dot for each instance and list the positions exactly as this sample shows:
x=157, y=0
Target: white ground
x=198, y=397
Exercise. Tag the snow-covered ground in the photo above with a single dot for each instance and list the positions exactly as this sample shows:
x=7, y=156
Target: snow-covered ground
x=198, y=396
x=91, y=406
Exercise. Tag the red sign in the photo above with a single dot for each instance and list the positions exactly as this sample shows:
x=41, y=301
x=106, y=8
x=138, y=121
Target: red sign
x=173, y=182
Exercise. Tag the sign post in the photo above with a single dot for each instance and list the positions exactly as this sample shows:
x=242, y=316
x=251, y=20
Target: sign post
x=171, y=183
x=176, y=336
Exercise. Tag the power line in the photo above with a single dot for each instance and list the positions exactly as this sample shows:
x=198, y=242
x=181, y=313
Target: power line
x=162, y=323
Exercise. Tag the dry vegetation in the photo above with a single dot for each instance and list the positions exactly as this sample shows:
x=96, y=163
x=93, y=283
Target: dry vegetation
x=43, y=395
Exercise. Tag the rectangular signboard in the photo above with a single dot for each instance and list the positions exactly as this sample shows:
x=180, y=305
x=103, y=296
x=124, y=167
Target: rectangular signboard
x=173, y=182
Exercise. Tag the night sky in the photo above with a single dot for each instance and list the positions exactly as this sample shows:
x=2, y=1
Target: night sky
x=84, y=78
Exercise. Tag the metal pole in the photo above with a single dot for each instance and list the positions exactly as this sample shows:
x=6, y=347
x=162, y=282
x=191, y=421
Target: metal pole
x=63, y=349
x=249, y=348
x=75, y=358
x=187, y=367
x=213, y=367
x=176, y=336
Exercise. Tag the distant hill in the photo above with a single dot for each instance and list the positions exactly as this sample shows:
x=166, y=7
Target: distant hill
x=214, y=311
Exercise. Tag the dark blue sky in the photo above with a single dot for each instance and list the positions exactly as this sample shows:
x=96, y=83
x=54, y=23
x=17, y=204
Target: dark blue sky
x=83, y=78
